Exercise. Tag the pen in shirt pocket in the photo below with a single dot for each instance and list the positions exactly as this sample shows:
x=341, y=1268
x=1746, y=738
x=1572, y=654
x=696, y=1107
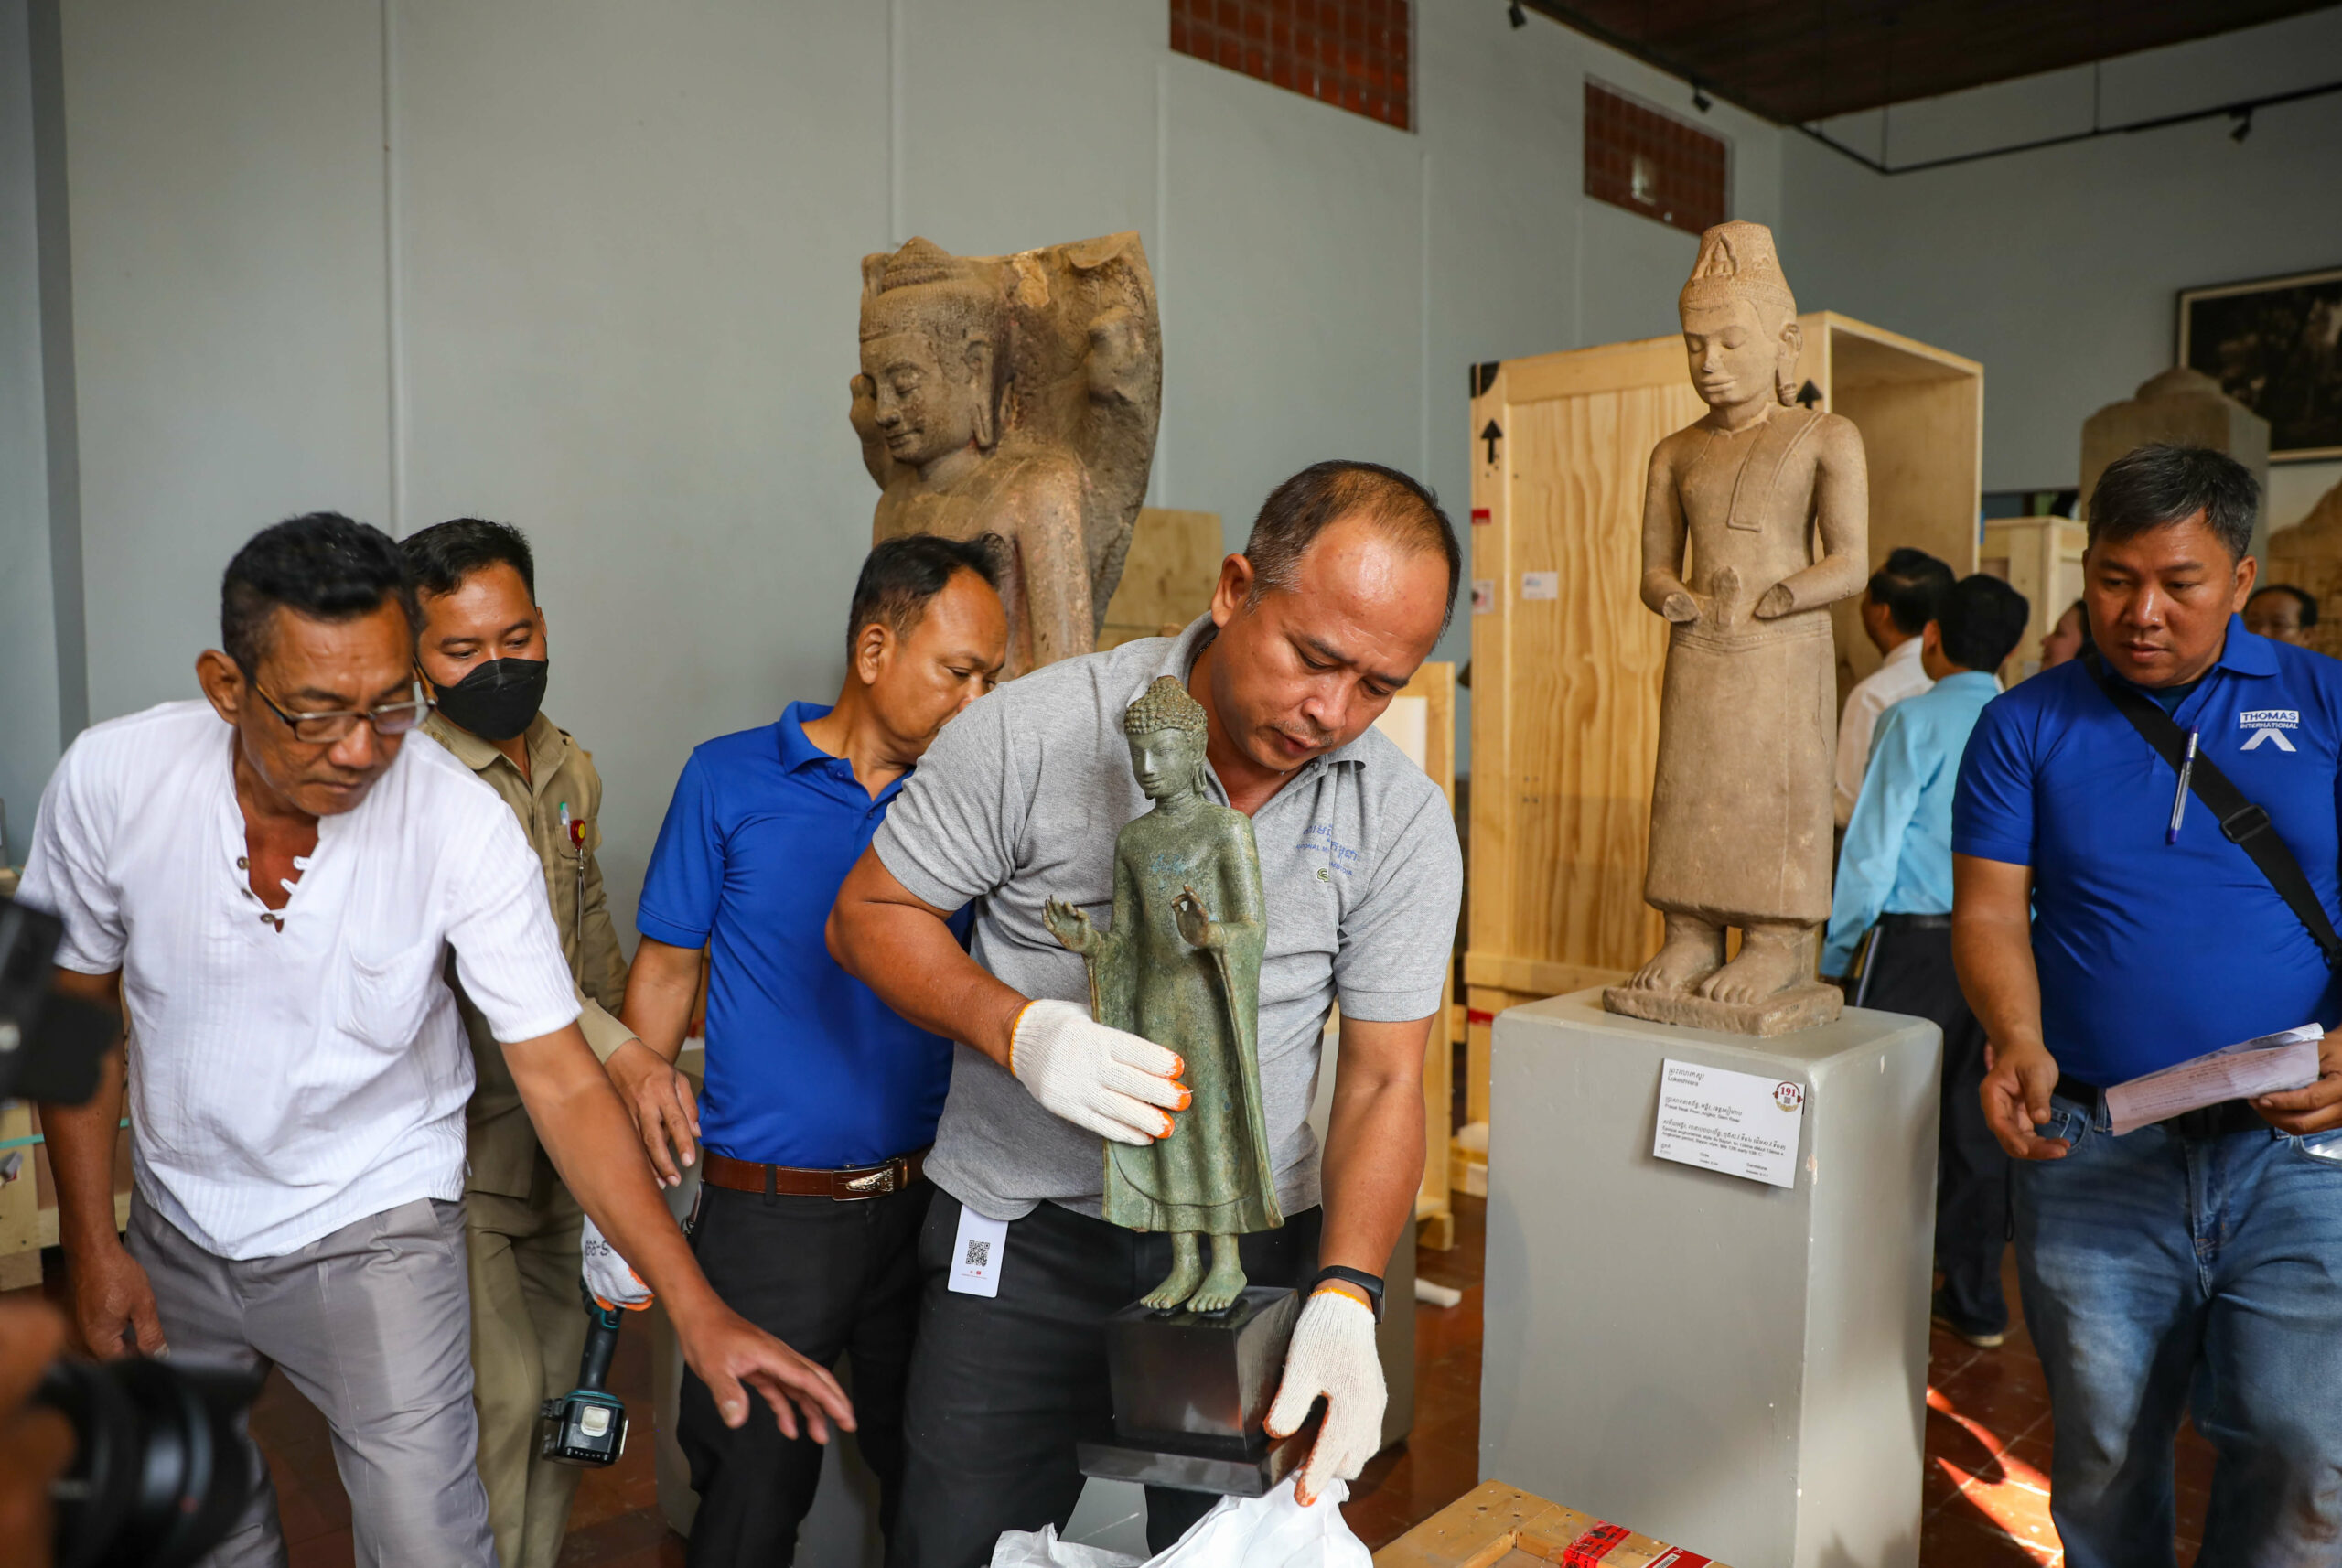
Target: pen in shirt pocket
x=2179, y=801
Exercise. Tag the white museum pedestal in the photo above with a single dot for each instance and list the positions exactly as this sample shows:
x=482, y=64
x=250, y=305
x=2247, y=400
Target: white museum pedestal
x=1737, y=1368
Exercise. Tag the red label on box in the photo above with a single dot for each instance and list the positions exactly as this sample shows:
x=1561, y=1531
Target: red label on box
x=1481, y=517
x=1589, y=1549
x=1675, y=1559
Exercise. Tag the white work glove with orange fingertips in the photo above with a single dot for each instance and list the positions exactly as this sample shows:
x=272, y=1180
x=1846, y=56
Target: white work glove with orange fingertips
x=1118, y=1085
x=611, y=1279
x=1332, y=1353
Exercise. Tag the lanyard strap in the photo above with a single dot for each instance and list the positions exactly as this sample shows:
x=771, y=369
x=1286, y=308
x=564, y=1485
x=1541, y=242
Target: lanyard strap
x=2247, y=825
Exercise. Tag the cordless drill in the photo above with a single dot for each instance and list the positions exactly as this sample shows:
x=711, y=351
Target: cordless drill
x=587, y=1424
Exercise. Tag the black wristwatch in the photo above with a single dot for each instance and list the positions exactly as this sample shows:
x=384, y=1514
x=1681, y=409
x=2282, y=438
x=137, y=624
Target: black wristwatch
x=1370, y=1284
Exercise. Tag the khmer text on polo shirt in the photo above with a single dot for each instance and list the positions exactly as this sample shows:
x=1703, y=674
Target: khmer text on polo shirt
x=805, y=1066
x=2150, y=953
x=1019, y=802
x=292, y=1071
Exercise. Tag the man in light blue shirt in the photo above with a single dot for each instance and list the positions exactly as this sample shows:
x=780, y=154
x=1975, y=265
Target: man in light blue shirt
x=1895, y=876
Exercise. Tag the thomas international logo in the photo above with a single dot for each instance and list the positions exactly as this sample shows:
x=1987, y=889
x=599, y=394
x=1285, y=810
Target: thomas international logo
x=2269, y=725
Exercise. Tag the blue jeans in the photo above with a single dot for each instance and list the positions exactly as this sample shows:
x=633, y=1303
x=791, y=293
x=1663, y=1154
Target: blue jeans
x=2194, y=1264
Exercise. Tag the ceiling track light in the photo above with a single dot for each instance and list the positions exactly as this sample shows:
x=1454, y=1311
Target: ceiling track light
x=2243, y=118
x=1520, y=17
x=1700, y=99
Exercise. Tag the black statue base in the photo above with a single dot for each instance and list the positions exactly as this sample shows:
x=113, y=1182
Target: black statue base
x=1192, y=1392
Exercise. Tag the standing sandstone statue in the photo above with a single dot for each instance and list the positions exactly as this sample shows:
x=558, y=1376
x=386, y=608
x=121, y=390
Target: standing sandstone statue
x=1016, y=396
x=1740, y=812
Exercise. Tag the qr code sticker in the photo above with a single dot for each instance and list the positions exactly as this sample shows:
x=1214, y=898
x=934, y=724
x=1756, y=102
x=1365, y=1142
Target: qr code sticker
x=979, y=1254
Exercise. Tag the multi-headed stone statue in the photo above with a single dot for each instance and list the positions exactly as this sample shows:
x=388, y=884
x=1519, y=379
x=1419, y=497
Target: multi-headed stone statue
x=1772, y=501
x=1016, y=396
x=1181, y=965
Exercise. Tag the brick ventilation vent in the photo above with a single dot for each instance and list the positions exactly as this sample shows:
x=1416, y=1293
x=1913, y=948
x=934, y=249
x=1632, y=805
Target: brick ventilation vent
x=1654, y=164
x=1352, y=54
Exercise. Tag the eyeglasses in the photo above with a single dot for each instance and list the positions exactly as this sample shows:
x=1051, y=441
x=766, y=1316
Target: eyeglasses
x=321, y=729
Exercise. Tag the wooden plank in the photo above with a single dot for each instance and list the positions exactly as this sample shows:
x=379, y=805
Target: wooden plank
x=1921, y=413
x=1912, y=359
x=1582, y=699
x=1461, y=1534
x=1535, y=979
x=1168, y=577
x=1434, y=688
x=1488, y=873
x=1644, y=362
x=20, y=1211
x=1497, y=1525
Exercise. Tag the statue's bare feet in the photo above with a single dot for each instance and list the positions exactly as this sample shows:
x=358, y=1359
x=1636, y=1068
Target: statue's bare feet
x=1692, y=951
x=1224, y=1284
x=1771, y=960
x=1187, y=1269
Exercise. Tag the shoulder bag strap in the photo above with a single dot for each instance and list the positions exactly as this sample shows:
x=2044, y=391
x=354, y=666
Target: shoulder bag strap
x=2245, y=824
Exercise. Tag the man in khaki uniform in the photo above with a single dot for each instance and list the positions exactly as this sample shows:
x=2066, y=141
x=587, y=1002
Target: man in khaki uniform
x=481, y=643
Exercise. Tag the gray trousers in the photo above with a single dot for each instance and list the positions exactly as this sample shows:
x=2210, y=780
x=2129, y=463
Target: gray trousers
x=371, y=1324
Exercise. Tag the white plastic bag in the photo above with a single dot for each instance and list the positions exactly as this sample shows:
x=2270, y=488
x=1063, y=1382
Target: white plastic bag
x=1273, y=1532
x=1042, y=1549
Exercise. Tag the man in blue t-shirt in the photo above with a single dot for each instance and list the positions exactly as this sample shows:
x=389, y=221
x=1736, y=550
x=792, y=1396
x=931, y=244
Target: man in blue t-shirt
x=2195, y=1259
x=821, y=1099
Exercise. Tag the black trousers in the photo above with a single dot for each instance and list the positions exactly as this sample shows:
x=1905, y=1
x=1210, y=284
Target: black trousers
x=1003, y=1387
x=826, y=1278
x=1909, y=971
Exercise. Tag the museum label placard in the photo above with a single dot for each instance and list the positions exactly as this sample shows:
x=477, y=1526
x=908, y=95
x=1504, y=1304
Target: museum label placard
x=1741, y=1124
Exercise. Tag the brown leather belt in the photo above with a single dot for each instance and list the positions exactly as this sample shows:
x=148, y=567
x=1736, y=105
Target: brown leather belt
x=845, y=1186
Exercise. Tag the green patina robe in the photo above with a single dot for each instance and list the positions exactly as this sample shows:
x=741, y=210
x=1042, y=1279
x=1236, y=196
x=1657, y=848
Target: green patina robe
x=1212, y=1175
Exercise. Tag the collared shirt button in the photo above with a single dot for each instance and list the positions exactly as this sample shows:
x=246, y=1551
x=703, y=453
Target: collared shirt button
x=243, y=863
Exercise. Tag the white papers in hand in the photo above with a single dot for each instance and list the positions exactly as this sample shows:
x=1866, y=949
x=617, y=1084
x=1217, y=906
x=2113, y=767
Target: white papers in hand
x=2266, y=1065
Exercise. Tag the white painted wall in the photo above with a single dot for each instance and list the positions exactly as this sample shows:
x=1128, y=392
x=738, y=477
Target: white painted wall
x=29, y=697
x=603, y=285
x=2059, y=269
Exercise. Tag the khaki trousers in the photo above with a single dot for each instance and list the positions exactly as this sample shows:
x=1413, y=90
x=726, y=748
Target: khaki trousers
x=528, y=1331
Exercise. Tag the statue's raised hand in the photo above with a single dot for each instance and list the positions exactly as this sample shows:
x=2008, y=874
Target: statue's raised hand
x=1070, y=926
x=1196, y=926
x=1778, y=600
x=1680, y=607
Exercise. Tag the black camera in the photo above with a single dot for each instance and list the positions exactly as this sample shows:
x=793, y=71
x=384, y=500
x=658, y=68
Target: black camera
x=160, y=1468
x=51, y=1044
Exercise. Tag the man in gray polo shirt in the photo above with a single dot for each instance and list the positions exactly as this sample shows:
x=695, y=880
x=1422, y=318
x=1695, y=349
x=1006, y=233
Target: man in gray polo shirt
x=1339, y=594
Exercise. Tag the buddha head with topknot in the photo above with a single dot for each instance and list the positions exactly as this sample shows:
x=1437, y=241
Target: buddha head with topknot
x=1167, y=733
x=1740, y=328
x=932, y=325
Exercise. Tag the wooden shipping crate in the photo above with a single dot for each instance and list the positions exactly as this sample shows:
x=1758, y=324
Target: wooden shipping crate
x=1168, y=577
x=1421, y=721
x=1566, y=662
x=29, y=1201
x=2040, y=557
x=1497, y=1526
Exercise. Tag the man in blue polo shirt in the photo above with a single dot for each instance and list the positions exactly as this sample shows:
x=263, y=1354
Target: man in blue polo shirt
x=821, y=1101
x=2197, y=1259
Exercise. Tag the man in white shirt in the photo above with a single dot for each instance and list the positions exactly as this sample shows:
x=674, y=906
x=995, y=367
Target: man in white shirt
x=1902, y=599
x=269, y=883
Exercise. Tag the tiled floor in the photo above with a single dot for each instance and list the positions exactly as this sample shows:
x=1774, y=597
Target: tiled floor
x=1985, y=1490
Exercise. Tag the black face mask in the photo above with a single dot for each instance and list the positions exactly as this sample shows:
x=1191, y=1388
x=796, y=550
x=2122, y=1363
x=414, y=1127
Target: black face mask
x=497, y=699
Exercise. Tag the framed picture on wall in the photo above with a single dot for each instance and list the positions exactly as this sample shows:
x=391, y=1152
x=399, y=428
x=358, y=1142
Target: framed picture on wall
x=2275, y=346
